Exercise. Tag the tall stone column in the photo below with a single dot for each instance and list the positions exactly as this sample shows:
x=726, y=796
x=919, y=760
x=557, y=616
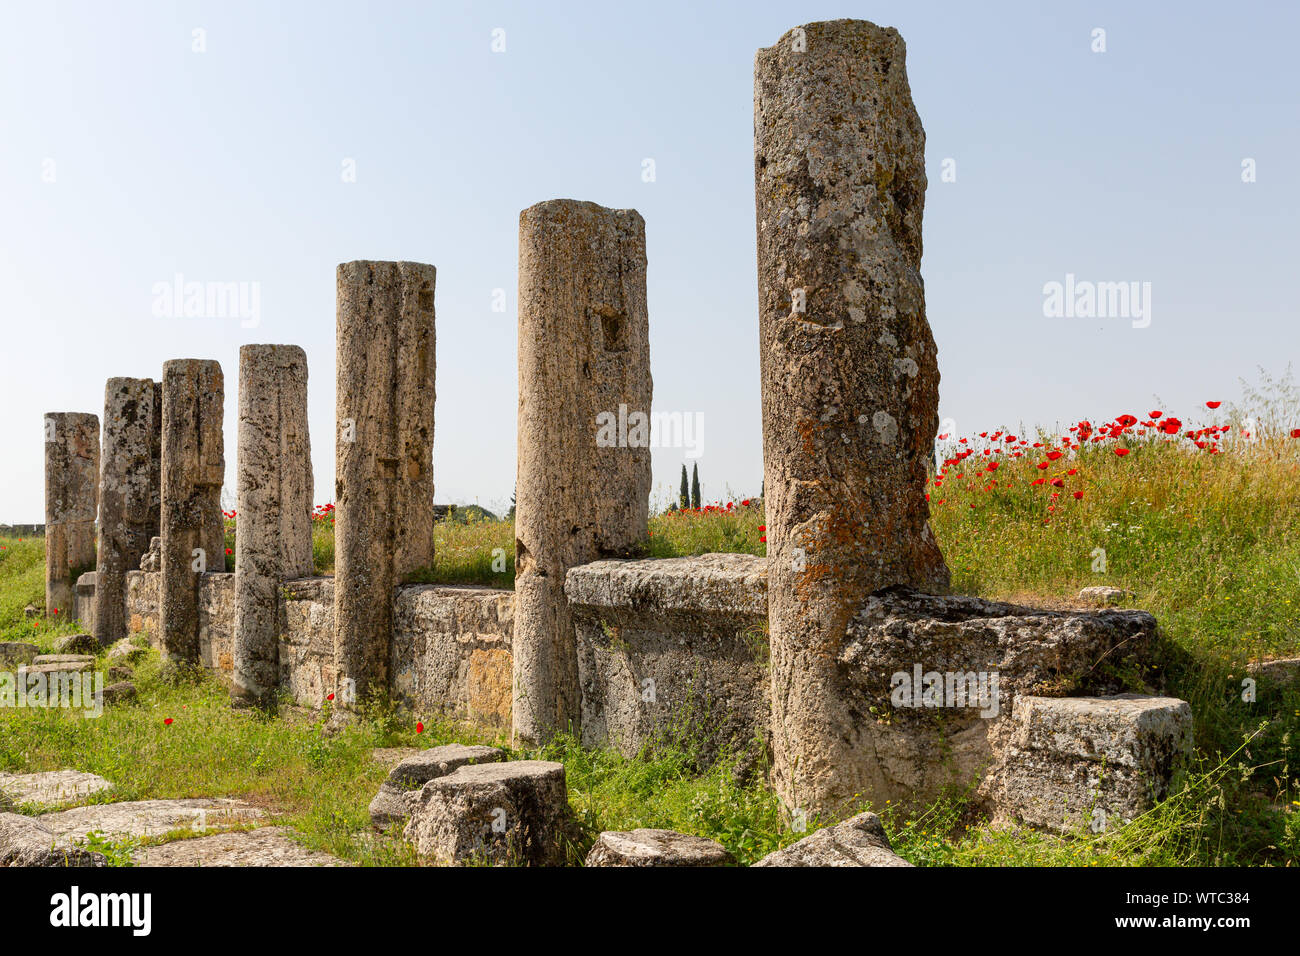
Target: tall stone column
x=583, y=490
x=193, y=468
x=129, y=495
x=273, y=527
x=850, y=378
x=383, y=509
x=71, y=501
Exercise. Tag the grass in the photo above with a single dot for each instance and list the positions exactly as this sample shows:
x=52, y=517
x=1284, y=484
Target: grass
x=1205, y=540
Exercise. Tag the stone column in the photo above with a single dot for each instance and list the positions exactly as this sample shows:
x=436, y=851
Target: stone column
x=129, y=495
x=384, y=457
x=71, y=500
x=583, y=455
x=850, y=378
x=273, y=527
x=193, y=468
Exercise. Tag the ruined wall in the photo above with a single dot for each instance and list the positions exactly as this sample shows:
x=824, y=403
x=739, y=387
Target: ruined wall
x=692, y=625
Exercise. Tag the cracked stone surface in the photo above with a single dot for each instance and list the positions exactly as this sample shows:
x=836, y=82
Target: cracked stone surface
x=51, y=787
x=25, y=841
x=265, y=846
x=150, y=818
x=655, y=848
x=858, y=841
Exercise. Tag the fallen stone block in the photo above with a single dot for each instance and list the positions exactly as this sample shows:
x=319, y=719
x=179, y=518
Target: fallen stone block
x=498, y=813
x=86, y=659
x=150, y=818
x=123, y=692
x=1283, y=672
x=265, y=846
x=79, y=644
x=391, y=804
x=655, y=848
x=16, y=654
x=1063, y=763
x=124, y=650
x=858, y=841
x=1104, y=596
x=51, y=787
x=25, y=841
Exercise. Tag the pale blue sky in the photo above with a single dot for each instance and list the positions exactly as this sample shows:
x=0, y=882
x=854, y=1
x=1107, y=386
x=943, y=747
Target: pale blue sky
x=226, y=166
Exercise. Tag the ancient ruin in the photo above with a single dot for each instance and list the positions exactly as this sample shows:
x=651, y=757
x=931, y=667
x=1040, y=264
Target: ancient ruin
x=129, y=495
x=193, y=469
x=850, y=373
x=384, y=457
x=71, y=500
x=584, y=354
x=273, y=534
x=839, y=655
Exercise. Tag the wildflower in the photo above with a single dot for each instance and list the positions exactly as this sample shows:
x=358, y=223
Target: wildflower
x=167, y=722
x=1213, y=404
x=419, y=726
x=1078, y=495
x=229, y=551
x=1121, y=452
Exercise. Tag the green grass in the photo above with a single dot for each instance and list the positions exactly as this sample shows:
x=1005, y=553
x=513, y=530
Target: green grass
x=1206, y=541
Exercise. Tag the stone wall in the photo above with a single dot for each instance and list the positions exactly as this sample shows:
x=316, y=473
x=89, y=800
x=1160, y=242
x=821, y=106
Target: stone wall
x=692, y=627
x=672, y=649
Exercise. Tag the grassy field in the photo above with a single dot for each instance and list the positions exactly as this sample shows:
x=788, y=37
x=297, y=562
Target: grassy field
x=1203, y=534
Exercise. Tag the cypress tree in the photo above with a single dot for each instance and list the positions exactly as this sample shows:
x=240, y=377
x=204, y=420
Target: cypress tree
x=684, y=496
x=695, y=485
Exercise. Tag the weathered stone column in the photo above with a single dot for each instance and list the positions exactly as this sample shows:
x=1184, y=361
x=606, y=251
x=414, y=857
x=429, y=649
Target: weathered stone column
x=129, y=495
x=193, y=468
x=71, y=500
x=583, y=454
x=384, y=457
x=850, y=378
x=273, y=527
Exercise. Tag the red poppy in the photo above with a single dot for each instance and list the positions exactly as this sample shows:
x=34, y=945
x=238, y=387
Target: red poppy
x=419, y=726
x=329, y=697
x=1295, y=433
x=992, y=466
x=1213, y=404
x=1053, y=455
x=228, y=551
x=167, y=722
x=1078, y=495
x=1121, y=452
x=1155, y=414
x=1126, y=420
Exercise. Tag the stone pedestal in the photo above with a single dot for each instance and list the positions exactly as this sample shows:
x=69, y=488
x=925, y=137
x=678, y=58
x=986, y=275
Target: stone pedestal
x=384, y=457
x=129, y=495
x=273, y=525
x=71, y=501
x=583, y=456
x=850, y=379
x=193, y=468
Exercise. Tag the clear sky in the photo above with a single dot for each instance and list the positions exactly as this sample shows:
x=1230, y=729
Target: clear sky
x=127, y=157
